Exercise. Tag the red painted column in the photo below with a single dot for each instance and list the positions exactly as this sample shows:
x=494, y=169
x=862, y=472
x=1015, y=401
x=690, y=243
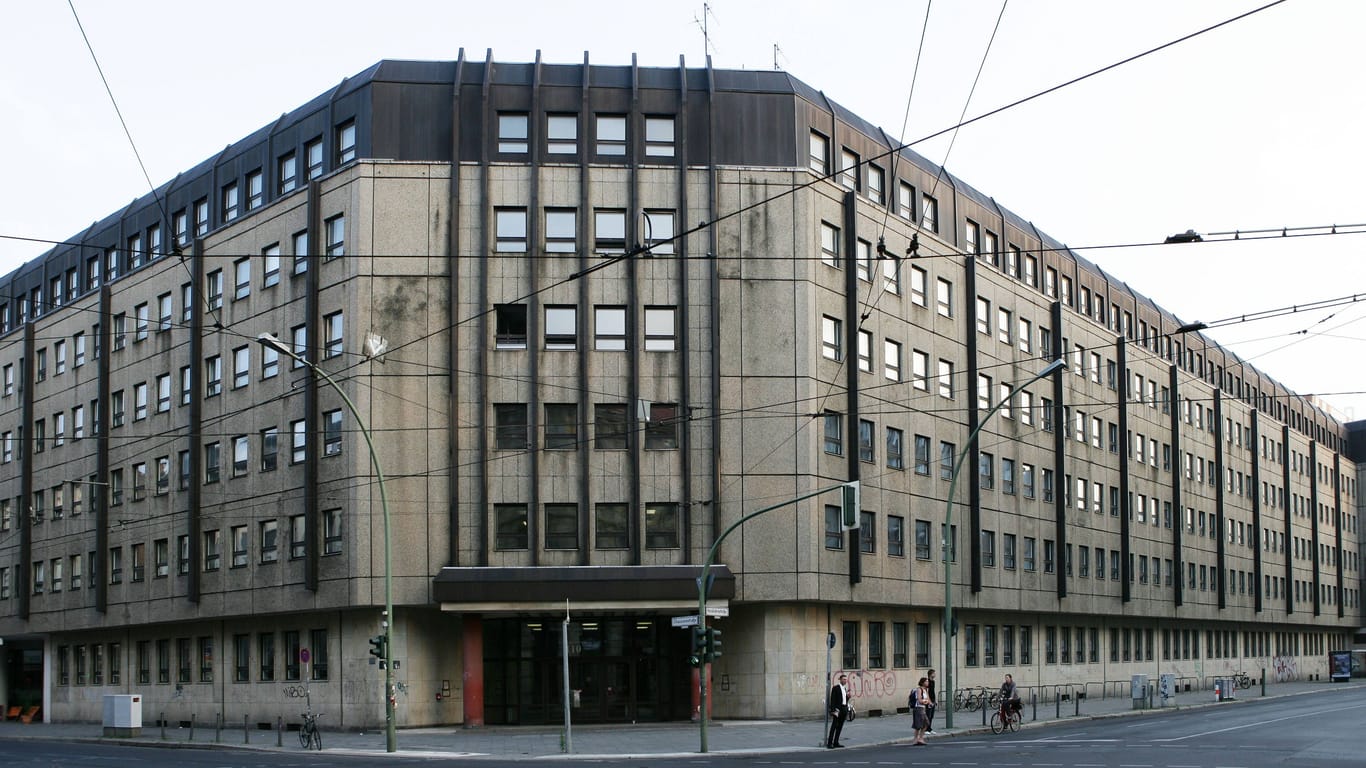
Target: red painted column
x=472, y=662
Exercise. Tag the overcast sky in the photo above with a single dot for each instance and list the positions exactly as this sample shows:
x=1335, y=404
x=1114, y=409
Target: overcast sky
x=1256, y=125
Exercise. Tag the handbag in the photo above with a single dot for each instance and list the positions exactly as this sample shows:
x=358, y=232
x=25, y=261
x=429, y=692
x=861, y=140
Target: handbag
x=852, y=713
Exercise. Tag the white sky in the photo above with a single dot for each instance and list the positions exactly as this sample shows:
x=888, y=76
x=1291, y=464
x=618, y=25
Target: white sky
x=1256, y=125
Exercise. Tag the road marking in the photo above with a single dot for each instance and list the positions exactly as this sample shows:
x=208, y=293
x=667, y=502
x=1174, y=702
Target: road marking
x=1252, y=725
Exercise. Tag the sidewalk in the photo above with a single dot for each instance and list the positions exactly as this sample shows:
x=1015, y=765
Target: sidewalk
x=654, y=739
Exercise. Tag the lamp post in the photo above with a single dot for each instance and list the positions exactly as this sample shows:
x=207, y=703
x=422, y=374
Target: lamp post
x=390, y=737
x=948, y=536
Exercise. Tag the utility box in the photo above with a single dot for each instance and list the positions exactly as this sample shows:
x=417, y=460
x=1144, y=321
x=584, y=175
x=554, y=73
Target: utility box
x=1166, y=688
x=1138, y=691
x=1223, y=689
x=123, y=715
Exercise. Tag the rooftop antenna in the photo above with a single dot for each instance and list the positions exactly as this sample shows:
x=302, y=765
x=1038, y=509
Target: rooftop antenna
x=776, y=53
x=708, y=47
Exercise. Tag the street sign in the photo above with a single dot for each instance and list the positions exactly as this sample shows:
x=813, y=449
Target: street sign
x=719, y=611
x=684, y=621
x=304, y=655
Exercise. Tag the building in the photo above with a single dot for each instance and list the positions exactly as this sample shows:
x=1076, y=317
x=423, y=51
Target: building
x=625, y=307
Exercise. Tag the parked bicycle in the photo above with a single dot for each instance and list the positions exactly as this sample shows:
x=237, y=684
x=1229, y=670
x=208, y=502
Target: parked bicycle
x=1242, y=680
x=309, y=734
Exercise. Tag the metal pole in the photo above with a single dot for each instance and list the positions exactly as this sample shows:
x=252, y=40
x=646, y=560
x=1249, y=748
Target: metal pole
x=390, y=736
x=564, y=648
x=704, y=582
x=947, y=534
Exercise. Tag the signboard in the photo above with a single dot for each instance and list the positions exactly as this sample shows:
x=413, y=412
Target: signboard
x=1166, y=687
x=684, y=621
x=1340, y=666
x=719, y=611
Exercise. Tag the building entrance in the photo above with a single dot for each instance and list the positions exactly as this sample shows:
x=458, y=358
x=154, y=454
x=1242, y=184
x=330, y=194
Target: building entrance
x=621, y=670
x=22, y=676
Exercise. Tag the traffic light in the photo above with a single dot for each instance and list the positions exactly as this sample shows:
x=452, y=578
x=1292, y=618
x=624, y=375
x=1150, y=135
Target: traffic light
x=713, y=644
x=699, y=645
x=849, y=506
x=378, y=647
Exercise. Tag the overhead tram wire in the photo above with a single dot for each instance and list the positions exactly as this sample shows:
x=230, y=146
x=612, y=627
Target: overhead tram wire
x=637, y=250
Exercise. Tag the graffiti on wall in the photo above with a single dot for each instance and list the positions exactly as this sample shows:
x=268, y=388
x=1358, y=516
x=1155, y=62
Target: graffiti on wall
x=1284, y=668
x=869, y=683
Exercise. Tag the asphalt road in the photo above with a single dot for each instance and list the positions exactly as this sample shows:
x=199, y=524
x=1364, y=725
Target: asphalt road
x=1321, y=730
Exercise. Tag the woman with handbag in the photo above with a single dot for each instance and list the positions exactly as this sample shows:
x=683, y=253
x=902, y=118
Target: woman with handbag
x=920, y=700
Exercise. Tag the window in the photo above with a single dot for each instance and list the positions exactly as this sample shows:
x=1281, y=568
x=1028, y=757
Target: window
x=918, y=282
x=318, y=645
x=313, y=153
x=287, y=173
x=610, y=529
x=510, y=228
x=241, y=369
x=946, y=379
x=163, y=479
x=895, y=442
x=561, y=426
x=332, y=532
x=213, y=376
x=947, y=455
x=560, y=230
x=876, y=183
x=561, y=332
x=346, y=142
x=944, y=297
x=929, y=213
x=831, y=338
x=611, y=135
x=661, y=431
x=512, y=133
x=229, y=203
x=922, y=454
x=609, y=426
x=255, y=190
x=561, y=526
x=241, y=544
x=834, y=433
x=240, y=455
x=211, y=456
x=120, y=340
x=891, y=360
x=214, y=282
x=659, y=329
x=270, y=362
x=986, y=476
x=865, y=351
x=161, y=558
x=510, y=326
x=1028, y=556
x=241, y=271
x=609, y=231
x=1048, y=556
x=659, y=232
x=849, y=163
x=139, y=552
x=988, y=542
x=659, y=136
x=116, y=565
x=1008, y=551
x=896, y=536
x=865, y=440
x=299, y=441
x=270, y=265
x=818, y=153
x=830, y=244
x=298, y=537
x=140, y=401
x=300, y=248
x=510, y=426
x=270, y=441
x=609, y=328
x=661, y=526
x=332, y=335
x=562, y=133
x=335, y=230
x=510, y=524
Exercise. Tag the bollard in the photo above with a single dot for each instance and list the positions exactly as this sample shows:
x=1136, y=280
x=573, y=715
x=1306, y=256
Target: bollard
x=246, y=732
x=163, y=726
x=191, y=726
x=1057, y=706
x=279, y=731
x=1263, y=681
x=1152, y=693
x=218, y=728
x=1033, y=706
x=984, y=713
x=1076, y=700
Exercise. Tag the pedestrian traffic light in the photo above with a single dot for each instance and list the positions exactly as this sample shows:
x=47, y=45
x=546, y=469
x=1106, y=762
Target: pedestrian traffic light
x=378, y=646
x=699, y=639
x=713, y=644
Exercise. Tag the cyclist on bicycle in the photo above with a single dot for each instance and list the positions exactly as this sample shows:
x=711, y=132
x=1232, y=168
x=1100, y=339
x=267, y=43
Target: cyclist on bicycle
x=1010, y=697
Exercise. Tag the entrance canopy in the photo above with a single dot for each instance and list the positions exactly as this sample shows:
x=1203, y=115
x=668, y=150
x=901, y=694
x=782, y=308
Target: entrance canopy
x=596, y=587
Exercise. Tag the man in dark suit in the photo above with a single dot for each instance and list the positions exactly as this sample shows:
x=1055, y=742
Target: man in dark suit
x=839, y=711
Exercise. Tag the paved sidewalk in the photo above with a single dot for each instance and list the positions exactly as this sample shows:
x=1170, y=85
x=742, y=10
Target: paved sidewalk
x=655, y=739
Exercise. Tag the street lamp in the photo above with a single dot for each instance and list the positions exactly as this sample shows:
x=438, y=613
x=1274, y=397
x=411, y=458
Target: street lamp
x=390, y=738
x=948, y=535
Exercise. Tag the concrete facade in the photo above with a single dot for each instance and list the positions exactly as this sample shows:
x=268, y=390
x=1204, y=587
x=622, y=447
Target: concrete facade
x=670, y=299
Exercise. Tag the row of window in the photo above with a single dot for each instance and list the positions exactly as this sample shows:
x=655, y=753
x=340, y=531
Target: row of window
x=610, y=525
x=865, y=176
x=612, y=135
x=991, y=645
x=610, y=331
x=560, y=231
x=234, y=198
x=83, y=664
x=611, y=426
x=238, y=466
x=67, y=573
